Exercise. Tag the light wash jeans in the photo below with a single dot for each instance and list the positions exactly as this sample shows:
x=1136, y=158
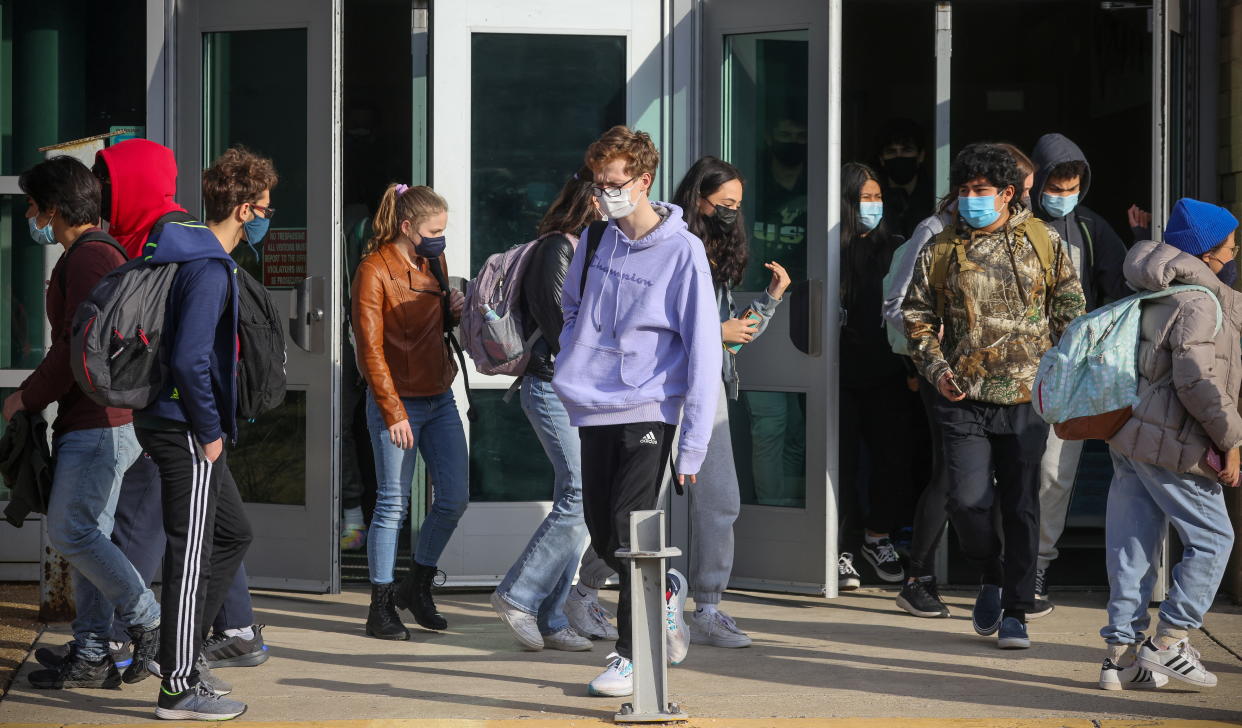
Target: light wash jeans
x=539, y=581
x=440, y=437
x=90, y=465
x=1142, y=501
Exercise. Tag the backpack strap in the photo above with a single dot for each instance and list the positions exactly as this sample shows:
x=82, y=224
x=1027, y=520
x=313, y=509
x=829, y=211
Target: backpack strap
x=92, y=237
x=1037, y=232
x=1184, y=288
x=173, y=216
x=595, y=234
x=450, y=340
x=944, y=246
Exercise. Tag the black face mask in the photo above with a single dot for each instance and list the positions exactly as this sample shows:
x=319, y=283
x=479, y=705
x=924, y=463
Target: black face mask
x=789, y=153
x=901, y=170
x=725, y=217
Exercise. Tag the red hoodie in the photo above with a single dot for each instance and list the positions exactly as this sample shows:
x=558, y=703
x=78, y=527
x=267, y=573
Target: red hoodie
x=144, y=182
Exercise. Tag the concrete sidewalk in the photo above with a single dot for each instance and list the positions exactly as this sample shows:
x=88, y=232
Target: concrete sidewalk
x=854, y=657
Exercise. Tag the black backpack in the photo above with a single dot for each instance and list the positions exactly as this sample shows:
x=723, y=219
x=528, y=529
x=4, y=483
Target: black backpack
x=261, y=380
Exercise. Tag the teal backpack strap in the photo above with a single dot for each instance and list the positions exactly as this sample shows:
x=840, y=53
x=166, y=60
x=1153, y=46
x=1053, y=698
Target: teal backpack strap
x=1220, y=314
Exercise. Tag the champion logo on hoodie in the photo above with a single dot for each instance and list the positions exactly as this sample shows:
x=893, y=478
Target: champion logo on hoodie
x=597, y=265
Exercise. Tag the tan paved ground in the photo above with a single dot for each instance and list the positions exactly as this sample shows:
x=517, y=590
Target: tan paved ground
x=856, y=657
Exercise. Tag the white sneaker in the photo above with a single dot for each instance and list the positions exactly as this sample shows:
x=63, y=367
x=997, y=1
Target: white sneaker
x=615, y=682
x=716, y=629
x=589, y=618
x=1179, y=661
x=568, y=640
x=1134, y=677
x=847, y=576
x=678, y=635
x=525, y=627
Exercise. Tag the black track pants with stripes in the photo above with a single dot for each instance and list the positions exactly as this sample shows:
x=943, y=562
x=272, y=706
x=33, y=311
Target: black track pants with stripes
x=207, y=535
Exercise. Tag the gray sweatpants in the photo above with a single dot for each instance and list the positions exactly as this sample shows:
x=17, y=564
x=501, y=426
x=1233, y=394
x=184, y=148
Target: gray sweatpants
x=1056, y=488
x=715, y=502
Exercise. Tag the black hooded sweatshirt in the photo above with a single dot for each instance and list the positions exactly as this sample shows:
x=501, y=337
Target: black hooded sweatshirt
x=1095, y=249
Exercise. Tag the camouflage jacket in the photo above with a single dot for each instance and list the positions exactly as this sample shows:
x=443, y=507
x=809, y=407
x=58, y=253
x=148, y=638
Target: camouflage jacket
x=998, y=320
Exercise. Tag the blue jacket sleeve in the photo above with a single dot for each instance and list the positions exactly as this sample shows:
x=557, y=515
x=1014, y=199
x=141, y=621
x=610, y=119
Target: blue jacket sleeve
x=202, y=292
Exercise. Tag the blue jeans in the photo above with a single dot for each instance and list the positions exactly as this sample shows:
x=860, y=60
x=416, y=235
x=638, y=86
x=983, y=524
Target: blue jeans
x=89, y=467
x=1142, y=501
x=440, y=437
x=539, y=581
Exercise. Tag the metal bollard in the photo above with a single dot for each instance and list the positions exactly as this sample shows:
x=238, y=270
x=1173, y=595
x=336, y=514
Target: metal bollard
x=647, y=561
x=55, y=583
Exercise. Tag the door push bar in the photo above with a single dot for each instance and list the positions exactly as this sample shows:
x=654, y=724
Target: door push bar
x=647, y=559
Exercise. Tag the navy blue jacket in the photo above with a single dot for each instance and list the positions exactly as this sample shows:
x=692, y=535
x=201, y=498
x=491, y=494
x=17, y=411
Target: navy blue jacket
x=200, y=332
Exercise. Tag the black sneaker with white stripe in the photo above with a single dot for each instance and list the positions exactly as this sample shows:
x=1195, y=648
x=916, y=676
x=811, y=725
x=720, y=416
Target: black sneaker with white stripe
x=1180, y=661
x=1134, y=677
x=1043, y=605
x=884, y=559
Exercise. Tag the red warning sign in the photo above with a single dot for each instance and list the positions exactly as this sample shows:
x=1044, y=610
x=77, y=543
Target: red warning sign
x=284, y=257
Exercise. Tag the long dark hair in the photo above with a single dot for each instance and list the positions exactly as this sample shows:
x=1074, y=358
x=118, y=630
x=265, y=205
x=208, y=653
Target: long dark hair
x=861, y=257
x=573, y=209
x=727, y=251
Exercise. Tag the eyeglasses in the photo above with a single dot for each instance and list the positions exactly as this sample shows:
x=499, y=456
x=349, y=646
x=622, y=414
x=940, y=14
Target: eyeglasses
x=612, y=191
x=268, y=212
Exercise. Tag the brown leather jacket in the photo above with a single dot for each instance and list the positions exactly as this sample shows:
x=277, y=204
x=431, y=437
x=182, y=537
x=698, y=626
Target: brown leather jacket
x=398, y=320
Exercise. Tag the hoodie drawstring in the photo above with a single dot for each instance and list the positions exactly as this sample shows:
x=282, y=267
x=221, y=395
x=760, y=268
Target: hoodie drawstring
x=616, y=312
x=595, y=313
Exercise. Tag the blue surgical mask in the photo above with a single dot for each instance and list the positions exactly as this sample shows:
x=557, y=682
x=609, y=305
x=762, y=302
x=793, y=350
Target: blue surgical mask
x=430, y=247
x=1059, y=206
x=1228, y=273
x=978, y=212
x=256, y=230
x=41, y=235
x=869, y=215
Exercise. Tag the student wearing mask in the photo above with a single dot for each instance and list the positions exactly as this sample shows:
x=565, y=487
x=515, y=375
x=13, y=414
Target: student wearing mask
x=1061, y=185
x=909, y=193
x=710, y=197
x=399, y=321
x=184, y=429
x=874, y=393
x=1178, y=451
x=778, y=231
x=93, y=445
x=920, y=595
x=640, y=351
x=1002, y=287
x=531, y=599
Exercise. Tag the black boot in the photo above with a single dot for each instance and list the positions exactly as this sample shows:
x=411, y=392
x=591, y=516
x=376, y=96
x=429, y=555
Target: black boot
x=414, y=594
x=382, y=619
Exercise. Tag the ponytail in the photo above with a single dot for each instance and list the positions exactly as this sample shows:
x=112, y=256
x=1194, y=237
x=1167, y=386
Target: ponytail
x=398, y=204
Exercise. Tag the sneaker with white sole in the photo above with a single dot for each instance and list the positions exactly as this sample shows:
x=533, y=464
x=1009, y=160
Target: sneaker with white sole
x=716, y=629
x=525, y=627
x=589, y=618
x=197, y=703
x=1134, y=677
x=566, y=640
x=884, y=560
x=1180, y=661
x=215, y=683
x=678, y=636
x=617, y=681
x=848, y=578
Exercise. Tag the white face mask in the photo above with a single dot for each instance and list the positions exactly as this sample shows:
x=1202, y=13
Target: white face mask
x=620, y=207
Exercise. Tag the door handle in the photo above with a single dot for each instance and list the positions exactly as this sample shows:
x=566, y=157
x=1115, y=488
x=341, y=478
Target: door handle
x=806, y=316
x=307, y=315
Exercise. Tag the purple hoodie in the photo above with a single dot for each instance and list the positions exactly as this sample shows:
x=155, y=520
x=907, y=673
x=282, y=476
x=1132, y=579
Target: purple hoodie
x=643, y=343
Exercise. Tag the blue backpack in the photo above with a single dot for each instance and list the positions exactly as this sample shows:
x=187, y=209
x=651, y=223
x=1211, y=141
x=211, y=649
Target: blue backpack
x=1087, y=385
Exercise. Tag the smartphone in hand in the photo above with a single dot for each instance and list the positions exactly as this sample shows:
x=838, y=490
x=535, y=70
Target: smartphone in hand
x=750, y=315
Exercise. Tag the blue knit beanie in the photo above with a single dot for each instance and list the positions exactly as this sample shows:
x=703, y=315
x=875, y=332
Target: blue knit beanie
x=1197, y=227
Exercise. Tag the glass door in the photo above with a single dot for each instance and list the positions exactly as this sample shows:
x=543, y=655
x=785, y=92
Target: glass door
x=766, y=88
x=266, y=75
x=520, y=91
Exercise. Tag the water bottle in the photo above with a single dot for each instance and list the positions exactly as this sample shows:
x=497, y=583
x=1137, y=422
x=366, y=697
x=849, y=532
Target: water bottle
x=489, y=313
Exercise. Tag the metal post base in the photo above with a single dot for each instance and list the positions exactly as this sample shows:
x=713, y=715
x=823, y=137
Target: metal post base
x=672, y=714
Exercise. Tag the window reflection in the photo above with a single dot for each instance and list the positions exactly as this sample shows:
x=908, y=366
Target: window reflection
x=769, y=447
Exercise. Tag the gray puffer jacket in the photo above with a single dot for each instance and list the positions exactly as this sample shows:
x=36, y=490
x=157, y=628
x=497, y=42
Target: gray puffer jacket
x=1190, y=375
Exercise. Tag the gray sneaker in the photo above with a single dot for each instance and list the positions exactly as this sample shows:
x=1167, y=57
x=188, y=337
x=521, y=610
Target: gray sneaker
x=197, y=703
x=525, y=627
x=568, y=640
x=217, y=684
